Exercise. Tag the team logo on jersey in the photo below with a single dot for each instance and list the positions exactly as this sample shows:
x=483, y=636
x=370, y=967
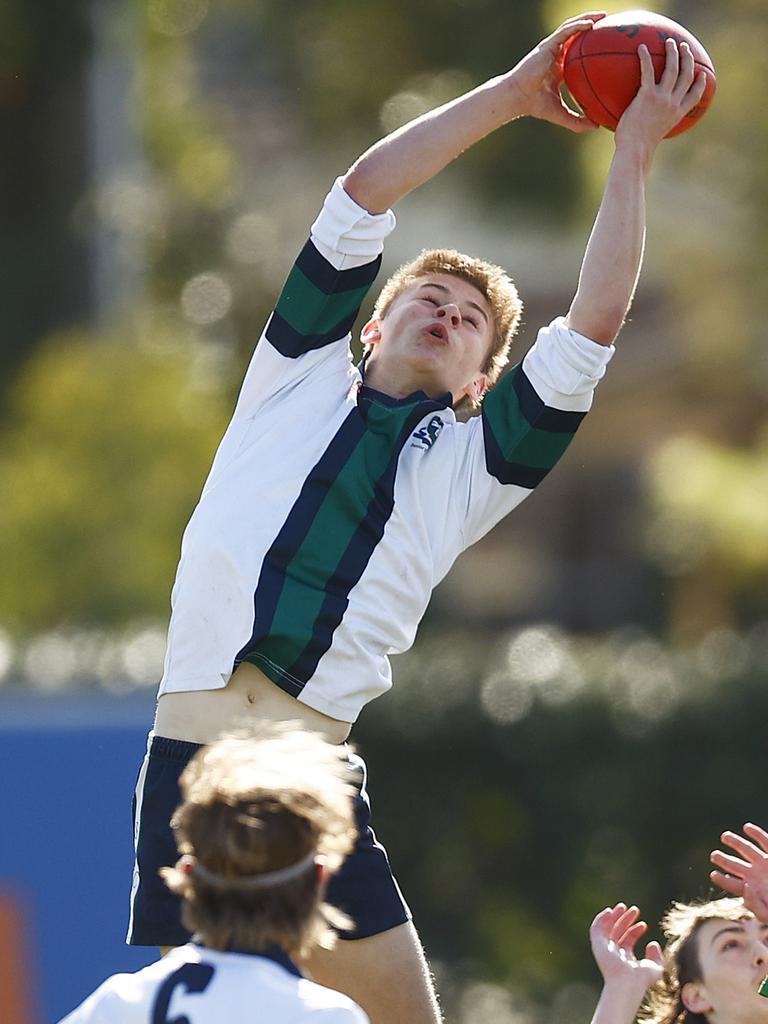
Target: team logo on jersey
x=425, y=437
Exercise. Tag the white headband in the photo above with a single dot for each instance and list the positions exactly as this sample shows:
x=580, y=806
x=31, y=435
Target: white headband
x=266, y=880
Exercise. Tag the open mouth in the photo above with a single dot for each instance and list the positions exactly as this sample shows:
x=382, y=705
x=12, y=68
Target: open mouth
x=438, y=332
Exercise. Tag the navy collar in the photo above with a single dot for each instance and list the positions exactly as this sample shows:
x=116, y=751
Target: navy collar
x=273, y=953
x=415, y=398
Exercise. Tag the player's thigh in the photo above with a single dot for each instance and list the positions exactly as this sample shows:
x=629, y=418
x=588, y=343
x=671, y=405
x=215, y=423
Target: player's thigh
x=387, y=974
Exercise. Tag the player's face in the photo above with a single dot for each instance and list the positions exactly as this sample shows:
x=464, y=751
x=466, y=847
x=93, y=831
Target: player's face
x=435, y=337
x=733, y=957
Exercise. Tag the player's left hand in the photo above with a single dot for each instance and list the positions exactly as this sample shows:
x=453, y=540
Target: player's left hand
x=659, y=106
x=747, y=874
x=538, y=76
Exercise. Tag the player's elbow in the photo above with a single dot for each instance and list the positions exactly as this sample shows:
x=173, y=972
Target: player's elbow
x=599, y=324
x=360, y=183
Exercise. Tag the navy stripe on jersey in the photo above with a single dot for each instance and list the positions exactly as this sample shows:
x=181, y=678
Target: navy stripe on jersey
x=327, y=278
x=523, y=437
x=327, y=541
x=507, y=472
x=294, y=530
x=358, y=554
x=544, y=417
x=292, y=343
x=318, y=304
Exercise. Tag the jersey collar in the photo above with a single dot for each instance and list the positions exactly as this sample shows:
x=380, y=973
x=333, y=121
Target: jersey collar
x=273, y=953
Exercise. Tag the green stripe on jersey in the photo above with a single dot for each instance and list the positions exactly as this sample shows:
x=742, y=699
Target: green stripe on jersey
x=344, y=508
x=309, y=310
x=518, y=439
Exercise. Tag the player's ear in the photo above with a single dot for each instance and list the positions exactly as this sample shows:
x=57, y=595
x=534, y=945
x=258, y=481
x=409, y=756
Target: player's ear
x=371, y=332
x=694, y=998
x=323, y=874
x=477, y=387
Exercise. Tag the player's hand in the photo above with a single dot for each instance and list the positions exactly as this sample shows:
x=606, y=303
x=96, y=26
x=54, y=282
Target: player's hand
x=747, y=874
x=538, y=76
x=613, y=935
x=658, y=106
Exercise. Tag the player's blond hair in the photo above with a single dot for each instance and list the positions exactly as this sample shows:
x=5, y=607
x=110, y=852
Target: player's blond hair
x=258, y=801
x=681, y=925
x=490, y=280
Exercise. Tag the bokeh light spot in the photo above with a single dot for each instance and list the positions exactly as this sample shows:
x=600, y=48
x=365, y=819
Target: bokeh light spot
x=176, y=17
x=206, y=298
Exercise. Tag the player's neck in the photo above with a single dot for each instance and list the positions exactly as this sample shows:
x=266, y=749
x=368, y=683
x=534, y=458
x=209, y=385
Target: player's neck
x=400, y=382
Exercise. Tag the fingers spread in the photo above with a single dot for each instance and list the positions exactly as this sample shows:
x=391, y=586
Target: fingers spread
x=653, y=952
x=573, y=26
x=604, y=921
x=686, y=73
x=623, y=922
x=647, y=76
x=743, y=846
x=631, y=935
x=759, y=835
x=755, y=900
x=671, y=65
x=735, y=886
x=728, y=863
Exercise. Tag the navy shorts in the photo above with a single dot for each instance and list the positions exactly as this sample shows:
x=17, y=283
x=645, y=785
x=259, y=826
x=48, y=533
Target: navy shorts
x=364, y=888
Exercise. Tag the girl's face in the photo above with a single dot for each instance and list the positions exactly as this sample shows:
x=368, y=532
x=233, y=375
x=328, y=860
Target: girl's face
x=733, y=956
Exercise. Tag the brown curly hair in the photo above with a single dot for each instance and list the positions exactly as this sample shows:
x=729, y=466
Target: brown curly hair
x=681, y=925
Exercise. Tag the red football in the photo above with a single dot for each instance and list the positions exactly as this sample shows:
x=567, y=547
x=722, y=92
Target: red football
x=602, y=70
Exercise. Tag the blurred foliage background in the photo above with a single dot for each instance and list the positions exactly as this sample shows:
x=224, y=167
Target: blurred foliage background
x=577, y=721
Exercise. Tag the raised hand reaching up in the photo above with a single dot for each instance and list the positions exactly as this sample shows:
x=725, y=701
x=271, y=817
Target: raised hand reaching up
x=747, y=874
x=626, y=976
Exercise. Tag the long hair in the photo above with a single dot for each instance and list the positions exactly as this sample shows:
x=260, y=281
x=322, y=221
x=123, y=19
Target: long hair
x=681, y=925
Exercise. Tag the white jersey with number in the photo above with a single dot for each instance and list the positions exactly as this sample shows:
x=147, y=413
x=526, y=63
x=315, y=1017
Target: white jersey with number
x=203, y=986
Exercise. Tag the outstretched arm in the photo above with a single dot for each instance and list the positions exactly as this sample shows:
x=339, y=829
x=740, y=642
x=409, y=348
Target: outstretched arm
x=747, y=874
x=613, y=935
x=420, y=149
x=614, y=252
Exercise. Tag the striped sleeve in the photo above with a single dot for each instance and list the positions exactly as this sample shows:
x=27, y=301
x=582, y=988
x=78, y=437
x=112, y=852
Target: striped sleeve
x=318, y=304
x=320, y=300
x=524, y=437
x=528, y=420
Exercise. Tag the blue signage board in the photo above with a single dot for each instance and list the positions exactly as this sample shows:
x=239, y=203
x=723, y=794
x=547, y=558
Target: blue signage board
x=68, y=768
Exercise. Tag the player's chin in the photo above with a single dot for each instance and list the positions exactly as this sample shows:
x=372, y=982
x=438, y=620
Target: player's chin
x=431, y=350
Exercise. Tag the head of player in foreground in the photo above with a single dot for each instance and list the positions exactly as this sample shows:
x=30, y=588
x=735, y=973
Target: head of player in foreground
x=267, y=816
x=716, y=956
x=443, y=323
x=710, y=971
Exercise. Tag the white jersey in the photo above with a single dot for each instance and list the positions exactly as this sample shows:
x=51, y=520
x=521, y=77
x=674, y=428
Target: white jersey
x=203, y=986
x=331, y=510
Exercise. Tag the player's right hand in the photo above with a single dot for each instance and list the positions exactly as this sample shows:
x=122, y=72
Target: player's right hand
x=613, y=936
x=747, y=874
x=538, y=76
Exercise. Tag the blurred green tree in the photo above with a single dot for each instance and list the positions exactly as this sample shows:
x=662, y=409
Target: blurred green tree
x=707, y=482
x=99, y=473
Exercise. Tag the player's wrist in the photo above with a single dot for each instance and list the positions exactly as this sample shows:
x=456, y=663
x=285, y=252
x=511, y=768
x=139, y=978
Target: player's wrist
x=622, y=995
x=635, y=151
x=519, y=94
